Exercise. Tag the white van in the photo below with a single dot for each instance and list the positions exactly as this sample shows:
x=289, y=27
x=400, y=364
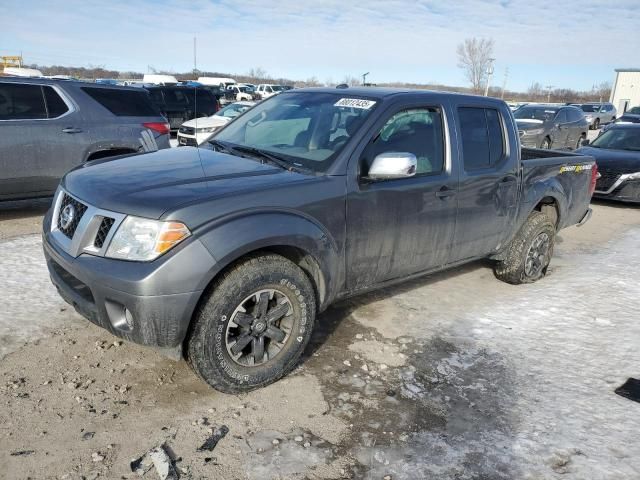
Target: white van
x=221, y=82
x=159, y=79
x=22, y=72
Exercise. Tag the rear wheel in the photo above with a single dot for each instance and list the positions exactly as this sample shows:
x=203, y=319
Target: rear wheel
x=546, y=143
x=580, y=140
x=254, y=326
x=527, y=257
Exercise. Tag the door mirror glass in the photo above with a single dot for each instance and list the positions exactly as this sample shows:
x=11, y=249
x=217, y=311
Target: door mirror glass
x=393, y=165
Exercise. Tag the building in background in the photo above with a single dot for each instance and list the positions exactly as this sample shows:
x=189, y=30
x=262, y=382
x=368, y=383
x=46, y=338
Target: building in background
x=626, y=89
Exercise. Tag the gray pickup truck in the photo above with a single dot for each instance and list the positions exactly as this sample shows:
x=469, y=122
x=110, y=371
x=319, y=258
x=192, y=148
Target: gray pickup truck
x=226, y=254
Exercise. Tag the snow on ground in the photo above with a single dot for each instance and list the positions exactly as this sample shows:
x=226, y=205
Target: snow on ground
x=524, y=375
x=30, y=303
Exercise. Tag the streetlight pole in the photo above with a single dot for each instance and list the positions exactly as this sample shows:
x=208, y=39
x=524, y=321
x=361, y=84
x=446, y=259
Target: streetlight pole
x=489, y=73
x=549, y=87
x=364, y=78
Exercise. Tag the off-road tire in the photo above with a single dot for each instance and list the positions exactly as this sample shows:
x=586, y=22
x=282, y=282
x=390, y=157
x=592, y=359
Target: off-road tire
x=511, y=269
x=207, y=351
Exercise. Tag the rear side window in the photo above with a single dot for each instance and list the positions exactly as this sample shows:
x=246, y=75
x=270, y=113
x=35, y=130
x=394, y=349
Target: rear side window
x=173, y=95
x=482, y=137
x=123, y=103
x=21, y=102
x=561, y=117
x=55, y=105
x=574, y=115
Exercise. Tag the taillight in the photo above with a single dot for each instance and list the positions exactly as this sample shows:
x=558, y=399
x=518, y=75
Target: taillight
x=594, y=178
x=160, y=127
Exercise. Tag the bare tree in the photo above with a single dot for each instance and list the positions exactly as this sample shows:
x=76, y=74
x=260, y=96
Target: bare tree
x=474, y=57
x=351, y=81
x=258, y=73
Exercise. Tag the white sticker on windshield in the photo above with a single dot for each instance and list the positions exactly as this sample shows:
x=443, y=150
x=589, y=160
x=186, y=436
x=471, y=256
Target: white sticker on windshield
x=355, y=103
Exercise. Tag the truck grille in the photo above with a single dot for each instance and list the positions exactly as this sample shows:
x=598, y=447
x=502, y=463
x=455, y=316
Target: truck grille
x=606, y=180
x=187, y=130
x=103, y=231
x=78, y=211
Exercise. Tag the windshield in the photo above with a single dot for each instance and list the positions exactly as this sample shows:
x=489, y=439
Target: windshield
x=544, y=114
x=233, y=110
x=590, y=108
x=307, y=130
x=634, y=111
x=277, y=88
x=619, y=139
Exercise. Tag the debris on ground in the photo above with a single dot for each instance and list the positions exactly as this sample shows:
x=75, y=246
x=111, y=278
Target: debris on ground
x=212, y=441
x=158, y=458
x=22, y=453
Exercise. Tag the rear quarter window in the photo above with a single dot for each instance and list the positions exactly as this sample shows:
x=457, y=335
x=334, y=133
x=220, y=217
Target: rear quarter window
x=482, y=137
x=123, y=103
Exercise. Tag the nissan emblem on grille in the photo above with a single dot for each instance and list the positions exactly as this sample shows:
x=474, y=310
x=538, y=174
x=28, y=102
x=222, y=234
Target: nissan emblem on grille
x=67, y=215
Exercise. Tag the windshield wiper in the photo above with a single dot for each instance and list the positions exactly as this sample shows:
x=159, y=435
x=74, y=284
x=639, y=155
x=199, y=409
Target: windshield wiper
x=270, y=157
x=222, y=146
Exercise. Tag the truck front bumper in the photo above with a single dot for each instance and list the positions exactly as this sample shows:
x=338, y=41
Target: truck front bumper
x=146, y=303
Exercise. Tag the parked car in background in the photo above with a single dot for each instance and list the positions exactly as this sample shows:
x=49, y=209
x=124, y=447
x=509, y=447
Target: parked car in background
x=197, y=131
x=48, y=127
x=231, y=251
x=266, y=90
x=551, y=126
x=630, y=116
x=179, y=104
x=617, y=152
x=236, y=93
x=598, y=114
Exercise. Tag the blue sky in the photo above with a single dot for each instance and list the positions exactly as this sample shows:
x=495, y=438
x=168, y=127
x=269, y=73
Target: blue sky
x=572, y=44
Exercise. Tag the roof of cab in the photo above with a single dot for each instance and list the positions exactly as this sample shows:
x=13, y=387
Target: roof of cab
x=383, y=92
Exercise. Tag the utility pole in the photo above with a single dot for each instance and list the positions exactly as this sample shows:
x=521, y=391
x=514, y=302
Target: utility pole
x=549, y=87
x=195, y=66
x=489, y=73
x=504, y=83
x=364, y=78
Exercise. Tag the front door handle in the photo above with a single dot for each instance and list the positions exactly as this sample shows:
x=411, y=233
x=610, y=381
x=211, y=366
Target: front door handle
x=445, y=193
x=71, y=130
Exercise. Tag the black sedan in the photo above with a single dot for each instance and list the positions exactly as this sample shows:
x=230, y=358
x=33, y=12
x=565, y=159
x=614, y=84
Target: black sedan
x=617, y=152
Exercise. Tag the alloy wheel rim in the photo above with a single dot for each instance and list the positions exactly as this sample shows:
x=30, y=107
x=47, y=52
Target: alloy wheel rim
x=538, y=255
x=259, y=327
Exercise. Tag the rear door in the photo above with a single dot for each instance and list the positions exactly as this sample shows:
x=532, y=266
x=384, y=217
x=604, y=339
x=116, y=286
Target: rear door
x=562, y=129
x=42, y=137
x=577, y=124
x=488, y=189
x=402, y=226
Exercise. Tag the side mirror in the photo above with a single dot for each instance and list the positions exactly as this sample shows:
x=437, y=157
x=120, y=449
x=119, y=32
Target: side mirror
x=393, y=165
x=585, y=142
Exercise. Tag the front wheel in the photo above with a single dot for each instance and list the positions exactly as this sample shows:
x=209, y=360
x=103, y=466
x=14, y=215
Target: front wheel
x=527, y=257
x=254, y=326
x=596, y=124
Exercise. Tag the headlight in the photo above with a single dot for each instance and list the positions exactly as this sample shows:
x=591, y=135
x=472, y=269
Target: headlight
x=143, y=240
x=535, y=131
x=207, y=129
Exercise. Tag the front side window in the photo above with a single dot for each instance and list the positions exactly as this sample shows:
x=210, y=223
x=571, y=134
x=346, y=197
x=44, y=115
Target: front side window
x=418, y=131
x=561, y=117
x=542, y=114
x=482, y=137
x=301, y=128
x=21, y=102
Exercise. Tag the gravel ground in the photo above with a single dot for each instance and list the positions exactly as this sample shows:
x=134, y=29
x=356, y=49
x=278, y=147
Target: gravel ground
x=453, y=376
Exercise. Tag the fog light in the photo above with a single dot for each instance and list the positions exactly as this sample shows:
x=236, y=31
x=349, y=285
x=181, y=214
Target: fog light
x=128, y=317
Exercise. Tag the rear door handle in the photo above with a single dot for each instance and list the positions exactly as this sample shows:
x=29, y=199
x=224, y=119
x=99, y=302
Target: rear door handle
x=71, y=130
x=445, y=193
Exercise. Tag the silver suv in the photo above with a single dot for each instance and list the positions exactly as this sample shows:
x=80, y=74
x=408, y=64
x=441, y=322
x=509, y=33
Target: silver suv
x=598, y=114
x=48, y=127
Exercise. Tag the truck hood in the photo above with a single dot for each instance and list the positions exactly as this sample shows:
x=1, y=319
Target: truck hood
x=153, y=184
x=207, y=122
x=622, y=161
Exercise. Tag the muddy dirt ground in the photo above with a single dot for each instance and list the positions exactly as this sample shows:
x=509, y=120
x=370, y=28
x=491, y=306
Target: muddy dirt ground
x=457, y=376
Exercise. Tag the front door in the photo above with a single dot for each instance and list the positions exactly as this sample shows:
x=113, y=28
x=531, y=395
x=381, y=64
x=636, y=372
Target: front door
x=489, y=177
x=562, y=130
x=402, y=226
